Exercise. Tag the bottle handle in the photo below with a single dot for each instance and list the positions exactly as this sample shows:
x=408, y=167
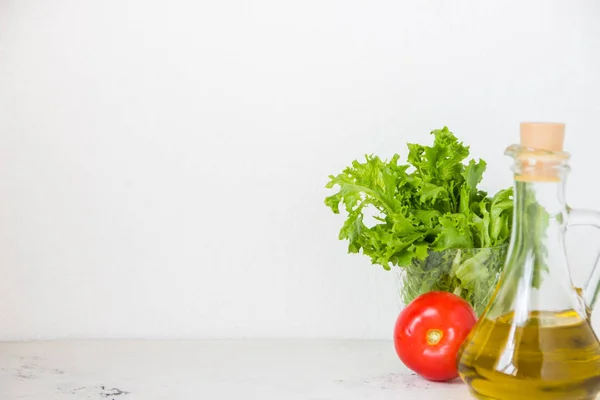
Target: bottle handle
x=585, y=217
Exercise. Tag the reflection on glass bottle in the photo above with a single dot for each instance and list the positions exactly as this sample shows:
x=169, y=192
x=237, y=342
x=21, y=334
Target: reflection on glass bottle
x=535, y=341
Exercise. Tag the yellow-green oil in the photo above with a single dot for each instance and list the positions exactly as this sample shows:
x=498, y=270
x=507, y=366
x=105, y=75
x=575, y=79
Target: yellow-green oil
x=551, y=356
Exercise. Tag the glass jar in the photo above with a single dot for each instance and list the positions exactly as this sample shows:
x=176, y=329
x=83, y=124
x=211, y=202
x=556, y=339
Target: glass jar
x=469, y=273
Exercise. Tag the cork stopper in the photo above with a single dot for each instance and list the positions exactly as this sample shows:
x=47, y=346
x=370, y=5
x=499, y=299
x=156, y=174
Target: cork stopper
x=541, y=154
x=543, y=136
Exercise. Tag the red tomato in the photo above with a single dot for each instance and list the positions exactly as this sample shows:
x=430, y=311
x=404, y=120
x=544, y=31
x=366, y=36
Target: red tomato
x=429, y=332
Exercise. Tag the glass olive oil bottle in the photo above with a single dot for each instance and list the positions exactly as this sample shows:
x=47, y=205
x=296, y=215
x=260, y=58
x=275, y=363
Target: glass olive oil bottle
x=535, y=341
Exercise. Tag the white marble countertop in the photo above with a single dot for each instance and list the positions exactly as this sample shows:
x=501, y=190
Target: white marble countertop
x=212, y=370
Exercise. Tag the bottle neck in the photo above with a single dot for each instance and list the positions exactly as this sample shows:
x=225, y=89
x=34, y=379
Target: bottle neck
x=540, y=209
x=537, y=263
x=536, y=276
x=538, y=206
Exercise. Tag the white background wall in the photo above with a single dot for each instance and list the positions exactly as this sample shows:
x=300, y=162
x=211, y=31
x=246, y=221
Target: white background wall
x=162, y=163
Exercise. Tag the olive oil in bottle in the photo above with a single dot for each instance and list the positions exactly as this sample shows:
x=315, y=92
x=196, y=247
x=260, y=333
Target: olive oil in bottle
x=553, y=356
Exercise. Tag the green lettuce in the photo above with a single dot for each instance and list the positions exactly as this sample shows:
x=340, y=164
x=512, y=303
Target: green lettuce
x=421, y=213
